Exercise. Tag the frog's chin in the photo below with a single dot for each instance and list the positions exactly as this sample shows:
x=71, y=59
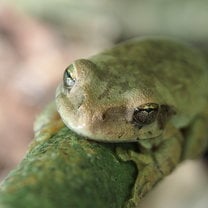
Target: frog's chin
x=99, y=136
x=102, y=136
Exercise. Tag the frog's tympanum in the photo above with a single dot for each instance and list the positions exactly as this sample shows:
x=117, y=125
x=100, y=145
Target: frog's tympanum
x=151, y=91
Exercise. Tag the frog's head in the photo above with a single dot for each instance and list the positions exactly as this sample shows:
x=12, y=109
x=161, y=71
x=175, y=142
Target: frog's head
x=96, y=105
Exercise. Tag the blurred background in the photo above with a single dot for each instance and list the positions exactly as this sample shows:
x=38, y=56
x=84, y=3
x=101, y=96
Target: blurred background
x=38, y=39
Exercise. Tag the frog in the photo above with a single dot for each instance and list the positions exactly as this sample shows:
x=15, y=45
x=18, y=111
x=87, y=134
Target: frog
x=149, y=91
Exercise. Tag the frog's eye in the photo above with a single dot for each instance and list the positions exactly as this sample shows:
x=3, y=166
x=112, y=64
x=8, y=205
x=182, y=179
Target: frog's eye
x=69, y=78
x=145, y=114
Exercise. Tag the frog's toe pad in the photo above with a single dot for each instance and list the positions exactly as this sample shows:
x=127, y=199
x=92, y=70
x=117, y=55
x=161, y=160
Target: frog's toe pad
x=123, y=154
x=130, y=204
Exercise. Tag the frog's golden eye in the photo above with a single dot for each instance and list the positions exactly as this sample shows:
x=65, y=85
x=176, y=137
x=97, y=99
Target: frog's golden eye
x=145, y=114
x=68, y=78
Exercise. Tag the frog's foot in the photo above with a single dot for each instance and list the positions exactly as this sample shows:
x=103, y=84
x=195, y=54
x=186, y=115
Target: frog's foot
x=123, y=154
x=153, y=164
x=148, y=174
x=130, y=204
x=140, y=159
x=145, y=181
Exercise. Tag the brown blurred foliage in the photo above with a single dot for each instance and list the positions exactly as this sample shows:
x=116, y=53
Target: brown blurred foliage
x=32, y=58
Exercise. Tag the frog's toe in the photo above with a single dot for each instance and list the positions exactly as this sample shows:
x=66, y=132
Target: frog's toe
x=123, y=154
x=130, y=204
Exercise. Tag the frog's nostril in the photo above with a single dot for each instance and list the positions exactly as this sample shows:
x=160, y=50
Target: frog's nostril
x=103, y=116
x=79, y=101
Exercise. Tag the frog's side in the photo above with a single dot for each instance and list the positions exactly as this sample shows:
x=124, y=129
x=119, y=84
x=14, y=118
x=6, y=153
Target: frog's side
x=151, y=91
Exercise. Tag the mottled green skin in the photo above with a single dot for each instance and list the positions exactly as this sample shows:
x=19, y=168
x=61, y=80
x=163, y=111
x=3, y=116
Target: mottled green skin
x=164, y=70
x=111, y=85
x=68, y=171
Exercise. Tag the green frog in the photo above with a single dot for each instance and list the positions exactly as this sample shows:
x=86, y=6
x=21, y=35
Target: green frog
x=151, y=91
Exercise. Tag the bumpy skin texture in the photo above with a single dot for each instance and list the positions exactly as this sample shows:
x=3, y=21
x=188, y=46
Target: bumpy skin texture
x=151, y=91
x=112, y=84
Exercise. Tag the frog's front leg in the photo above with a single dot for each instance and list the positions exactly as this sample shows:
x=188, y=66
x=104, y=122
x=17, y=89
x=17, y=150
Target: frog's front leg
x=153, y=164
x=47, y=123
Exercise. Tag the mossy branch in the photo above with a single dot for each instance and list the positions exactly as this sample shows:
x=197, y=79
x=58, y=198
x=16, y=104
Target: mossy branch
x=68, y=171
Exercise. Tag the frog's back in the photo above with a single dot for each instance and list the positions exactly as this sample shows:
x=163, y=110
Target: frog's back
x=173, y=71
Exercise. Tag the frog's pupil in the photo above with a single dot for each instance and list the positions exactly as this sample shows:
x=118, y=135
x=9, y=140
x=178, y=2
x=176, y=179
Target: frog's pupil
x=144, y=116
x=68, y=80
x=68, y=74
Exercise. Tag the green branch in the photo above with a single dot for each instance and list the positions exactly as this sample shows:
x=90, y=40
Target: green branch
x=69, y=171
